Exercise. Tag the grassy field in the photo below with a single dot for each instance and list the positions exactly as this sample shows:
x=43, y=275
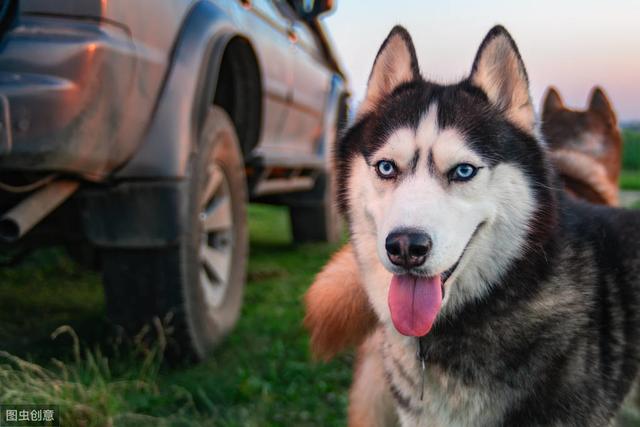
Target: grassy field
x=631, y=153
x=630, y=180
x=261, y=375
x=630, y=177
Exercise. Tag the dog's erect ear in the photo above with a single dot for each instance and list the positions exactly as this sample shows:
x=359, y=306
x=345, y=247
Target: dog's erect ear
x=552, y=103
x=499, y=71
x=395, y=64
x=600, y=103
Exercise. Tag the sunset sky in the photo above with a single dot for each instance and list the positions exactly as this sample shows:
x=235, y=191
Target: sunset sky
x=571, y=44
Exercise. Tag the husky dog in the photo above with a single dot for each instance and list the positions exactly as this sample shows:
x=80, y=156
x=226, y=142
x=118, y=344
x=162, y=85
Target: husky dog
x=495, y=299
x=585, y=146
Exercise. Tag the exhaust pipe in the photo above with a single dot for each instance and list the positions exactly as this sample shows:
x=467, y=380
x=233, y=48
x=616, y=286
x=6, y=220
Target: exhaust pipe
x=22, y=218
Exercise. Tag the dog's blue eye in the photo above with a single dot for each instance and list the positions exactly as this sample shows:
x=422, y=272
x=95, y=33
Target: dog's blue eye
x=386, y=169
x=462, y=172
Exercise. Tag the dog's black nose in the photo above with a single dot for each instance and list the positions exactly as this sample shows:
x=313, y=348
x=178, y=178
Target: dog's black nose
x=408, y=248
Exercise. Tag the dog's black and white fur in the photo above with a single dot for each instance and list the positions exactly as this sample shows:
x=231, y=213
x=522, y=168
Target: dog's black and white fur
x=541, y=311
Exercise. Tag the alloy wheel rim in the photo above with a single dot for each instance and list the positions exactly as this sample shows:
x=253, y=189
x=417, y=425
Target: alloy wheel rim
x=217, y=239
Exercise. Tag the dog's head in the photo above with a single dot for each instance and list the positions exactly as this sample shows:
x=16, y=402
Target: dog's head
x=586, y=146
x=442, y=185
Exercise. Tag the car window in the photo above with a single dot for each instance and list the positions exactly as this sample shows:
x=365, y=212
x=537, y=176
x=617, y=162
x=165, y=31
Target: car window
x=301, y=7
x=287, y=9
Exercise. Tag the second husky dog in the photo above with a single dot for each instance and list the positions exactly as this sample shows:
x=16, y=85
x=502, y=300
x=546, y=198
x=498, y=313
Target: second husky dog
x=497, y=299
x=585, y=146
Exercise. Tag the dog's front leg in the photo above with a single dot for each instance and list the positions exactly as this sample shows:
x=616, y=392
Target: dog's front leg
x=370, y=401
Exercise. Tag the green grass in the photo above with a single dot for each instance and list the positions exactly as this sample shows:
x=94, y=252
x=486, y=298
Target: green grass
x=630, y=180
x=630, y=176
x=631, y=150
x=262, y=374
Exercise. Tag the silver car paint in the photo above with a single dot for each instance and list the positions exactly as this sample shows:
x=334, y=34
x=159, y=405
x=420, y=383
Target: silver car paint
x=141, y=122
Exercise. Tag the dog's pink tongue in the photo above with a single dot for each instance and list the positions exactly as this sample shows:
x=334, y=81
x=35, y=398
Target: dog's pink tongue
x=414, y=303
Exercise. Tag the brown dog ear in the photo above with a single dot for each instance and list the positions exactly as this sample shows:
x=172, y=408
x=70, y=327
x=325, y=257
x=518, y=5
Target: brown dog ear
x=499, y=71
x=599, y=103
x=552, y=103
x=395, y=64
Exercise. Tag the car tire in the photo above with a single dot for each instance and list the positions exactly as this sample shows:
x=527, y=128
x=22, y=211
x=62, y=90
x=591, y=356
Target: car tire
x=315, y=217
x=198, y=283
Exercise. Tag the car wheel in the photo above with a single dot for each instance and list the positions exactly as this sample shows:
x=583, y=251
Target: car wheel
x=315, y=216
x=198, y=283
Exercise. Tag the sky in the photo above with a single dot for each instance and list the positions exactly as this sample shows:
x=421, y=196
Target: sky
x=570, y=44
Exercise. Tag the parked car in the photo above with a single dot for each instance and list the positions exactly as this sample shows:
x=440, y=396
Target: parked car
x=136, y=132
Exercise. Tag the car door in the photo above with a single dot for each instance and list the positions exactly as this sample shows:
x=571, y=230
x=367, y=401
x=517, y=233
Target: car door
x=311, y=86
x=270, y=33
x=303, y=127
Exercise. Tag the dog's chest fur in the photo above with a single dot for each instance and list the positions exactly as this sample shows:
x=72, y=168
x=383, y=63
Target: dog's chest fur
x=438, y=397
x=559, y=352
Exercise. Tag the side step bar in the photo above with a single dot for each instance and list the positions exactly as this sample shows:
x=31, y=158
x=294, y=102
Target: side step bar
x=281, y=173
x=283, y=185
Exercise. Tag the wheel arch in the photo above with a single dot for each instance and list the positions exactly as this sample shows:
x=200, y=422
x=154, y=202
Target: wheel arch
x=239, y=90
x=208, y=37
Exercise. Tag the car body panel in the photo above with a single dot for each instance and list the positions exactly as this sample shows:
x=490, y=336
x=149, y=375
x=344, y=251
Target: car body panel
x=142, y=21
x=123, y=100
x=79, y=89
x=65, y=112
x=274, y=54
x=288, y=129
x=165, y=149
x=311, y=93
